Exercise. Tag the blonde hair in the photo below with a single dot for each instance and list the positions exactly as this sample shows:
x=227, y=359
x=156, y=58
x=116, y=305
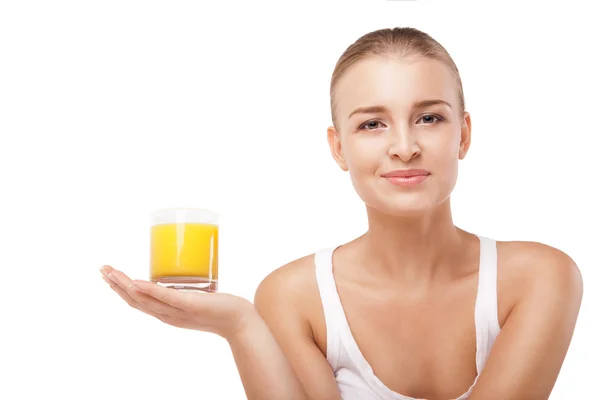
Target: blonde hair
x=393, y=42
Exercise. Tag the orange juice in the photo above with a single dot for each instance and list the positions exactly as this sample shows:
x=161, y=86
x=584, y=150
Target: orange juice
x=184, y=250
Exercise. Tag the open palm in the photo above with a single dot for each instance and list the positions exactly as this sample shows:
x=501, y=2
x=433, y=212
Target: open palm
x=219, y=313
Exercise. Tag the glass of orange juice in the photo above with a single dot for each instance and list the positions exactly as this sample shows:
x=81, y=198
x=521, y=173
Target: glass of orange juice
x=184, y=249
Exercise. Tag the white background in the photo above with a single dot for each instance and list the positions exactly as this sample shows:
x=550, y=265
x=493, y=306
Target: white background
x=112, y=109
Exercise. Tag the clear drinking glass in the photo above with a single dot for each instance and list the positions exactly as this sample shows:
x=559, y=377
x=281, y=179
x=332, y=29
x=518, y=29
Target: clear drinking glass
x=184, y=249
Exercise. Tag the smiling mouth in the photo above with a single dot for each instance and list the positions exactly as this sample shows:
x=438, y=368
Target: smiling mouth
x=406, y=177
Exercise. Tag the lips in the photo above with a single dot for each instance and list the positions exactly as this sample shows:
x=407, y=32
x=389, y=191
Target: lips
x=409, y=177
x=406, y=173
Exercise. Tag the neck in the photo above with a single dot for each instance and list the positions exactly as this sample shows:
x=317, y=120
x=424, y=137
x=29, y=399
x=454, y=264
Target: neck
x=415, y=249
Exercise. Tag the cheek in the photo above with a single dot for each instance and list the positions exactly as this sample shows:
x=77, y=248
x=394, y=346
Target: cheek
x=444, y=147
x=363, y=156
x=445, y=153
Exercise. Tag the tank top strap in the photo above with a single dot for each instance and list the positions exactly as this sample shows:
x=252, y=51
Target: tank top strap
x=486, y=305
x=330, y=300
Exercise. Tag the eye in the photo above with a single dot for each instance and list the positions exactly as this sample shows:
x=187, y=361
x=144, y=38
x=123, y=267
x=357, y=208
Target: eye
x=430, y=119
x=369, y=125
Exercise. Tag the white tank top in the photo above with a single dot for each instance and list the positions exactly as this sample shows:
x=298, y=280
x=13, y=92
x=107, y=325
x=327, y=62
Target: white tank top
x=354, y=375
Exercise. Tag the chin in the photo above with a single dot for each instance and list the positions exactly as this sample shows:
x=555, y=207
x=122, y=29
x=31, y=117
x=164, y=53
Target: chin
x=402, y=210
x=405, y=204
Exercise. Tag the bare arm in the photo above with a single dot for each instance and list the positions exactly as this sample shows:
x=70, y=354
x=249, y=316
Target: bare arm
x=283, y=299
x=265, y=372
x=529, y=351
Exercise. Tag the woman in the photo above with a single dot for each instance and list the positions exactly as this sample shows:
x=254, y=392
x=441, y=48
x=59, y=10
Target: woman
x=415, y=307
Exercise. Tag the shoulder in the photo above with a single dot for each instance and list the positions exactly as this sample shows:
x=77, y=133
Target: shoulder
x=290, y=289
x=528, y=354
x=290, y=280
x=288, y=299
x=535, y=261
x=529, y=270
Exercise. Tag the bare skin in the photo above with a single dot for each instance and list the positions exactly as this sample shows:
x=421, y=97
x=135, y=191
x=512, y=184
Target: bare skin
x=263, y=367
x=423, y=344
x=408, y=285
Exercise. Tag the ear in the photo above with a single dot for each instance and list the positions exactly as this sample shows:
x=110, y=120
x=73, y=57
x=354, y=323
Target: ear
x=465, y=136
x=335, y=145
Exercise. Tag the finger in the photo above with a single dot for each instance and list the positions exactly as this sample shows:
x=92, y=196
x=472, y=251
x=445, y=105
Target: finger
x=106, y=269
x=119, y=278
x=167, y=319
x=165, y=295
x=152, y=303
x=128, y=299
x=135, y=304
x=138, y=299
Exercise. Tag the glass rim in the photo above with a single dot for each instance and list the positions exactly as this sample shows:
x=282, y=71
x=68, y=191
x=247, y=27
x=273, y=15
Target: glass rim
x=209, y=215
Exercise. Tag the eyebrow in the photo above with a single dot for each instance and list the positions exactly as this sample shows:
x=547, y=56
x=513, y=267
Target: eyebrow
x=381, y=109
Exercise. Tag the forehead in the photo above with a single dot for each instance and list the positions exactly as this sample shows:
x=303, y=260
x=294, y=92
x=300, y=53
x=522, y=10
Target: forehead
x=396, y=83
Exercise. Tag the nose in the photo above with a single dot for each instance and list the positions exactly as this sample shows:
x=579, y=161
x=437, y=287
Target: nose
x=403, y=145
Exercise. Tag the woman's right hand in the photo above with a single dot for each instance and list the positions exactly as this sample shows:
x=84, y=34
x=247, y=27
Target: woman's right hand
x=219, y=313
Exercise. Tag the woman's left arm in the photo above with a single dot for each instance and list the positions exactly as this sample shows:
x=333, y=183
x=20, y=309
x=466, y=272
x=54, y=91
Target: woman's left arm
x=531, y=347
